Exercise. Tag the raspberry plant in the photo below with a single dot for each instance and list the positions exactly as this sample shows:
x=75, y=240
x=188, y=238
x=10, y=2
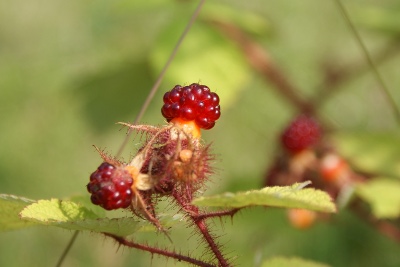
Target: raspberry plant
x=172, y=175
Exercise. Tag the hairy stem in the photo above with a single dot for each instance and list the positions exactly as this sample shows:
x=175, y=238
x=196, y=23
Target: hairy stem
x=199, y=220
x=217, y=214
x=200, y=223
x=163, y=252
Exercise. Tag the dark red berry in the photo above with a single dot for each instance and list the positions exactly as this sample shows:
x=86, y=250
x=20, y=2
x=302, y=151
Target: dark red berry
x=192, y=102
x=110, y=187
x=304, y=132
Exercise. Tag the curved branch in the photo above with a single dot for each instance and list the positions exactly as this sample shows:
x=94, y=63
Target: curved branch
x=163, y=252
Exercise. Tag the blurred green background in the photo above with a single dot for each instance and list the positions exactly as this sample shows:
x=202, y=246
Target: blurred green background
x=70, y=69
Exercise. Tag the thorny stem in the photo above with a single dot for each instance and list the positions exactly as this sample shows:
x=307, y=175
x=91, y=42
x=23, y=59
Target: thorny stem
x=146, y=104
x=199, y=221
x=163, y=252
x=372, y=65
x=156, y=85
x=209, y=215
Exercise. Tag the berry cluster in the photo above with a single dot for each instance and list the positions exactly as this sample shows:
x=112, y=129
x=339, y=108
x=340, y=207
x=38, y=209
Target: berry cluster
x=110, y=187
x=304, y=132
x=192, y=103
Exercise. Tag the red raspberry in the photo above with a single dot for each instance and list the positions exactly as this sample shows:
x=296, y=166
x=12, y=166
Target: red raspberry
x=110, y=187
x=304, y=132
x=193, y=102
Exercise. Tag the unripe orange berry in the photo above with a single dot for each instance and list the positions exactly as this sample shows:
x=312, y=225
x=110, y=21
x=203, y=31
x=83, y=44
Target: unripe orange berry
x=301, y=218
x=334, y=168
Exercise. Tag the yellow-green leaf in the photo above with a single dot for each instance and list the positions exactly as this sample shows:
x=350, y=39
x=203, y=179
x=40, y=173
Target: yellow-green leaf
x=294, y=196
x=383, y=195
x=73, y=216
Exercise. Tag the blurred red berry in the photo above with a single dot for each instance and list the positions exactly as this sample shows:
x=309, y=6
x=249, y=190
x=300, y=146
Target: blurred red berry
x=302, y=133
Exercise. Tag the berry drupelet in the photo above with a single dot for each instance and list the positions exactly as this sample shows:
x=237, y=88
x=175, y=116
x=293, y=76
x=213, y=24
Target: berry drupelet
x=194, y=102
x=110, y=187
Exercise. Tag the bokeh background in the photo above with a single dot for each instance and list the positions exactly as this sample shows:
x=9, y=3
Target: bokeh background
x=69, y=70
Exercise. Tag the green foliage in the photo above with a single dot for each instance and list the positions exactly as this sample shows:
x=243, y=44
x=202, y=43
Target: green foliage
x=248, y=21
x=10, y=206
x=372, y=152
x=19, y=212
x=383, y=195
x=290, y=262
x=293, y=196
x=380, y=19
x=206, y=57
x=71, y=69
x=73, y=216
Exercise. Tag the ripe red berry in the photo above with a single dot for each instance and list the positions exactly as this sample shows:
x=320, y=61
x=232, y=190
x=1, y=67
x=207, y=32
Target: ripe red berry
x=304, y=132
x=193, y=102
x=110, y=187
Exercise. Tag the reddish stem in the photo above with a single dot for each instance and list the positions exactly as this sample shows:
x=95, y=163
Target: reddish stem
x=163, y=252
x=216, y=214
x=200, y=223
x=199, y=220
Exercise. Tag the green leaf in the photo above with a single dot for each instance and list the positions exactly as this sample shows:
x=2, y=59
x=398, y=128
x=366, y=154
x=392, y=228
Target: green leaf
x=10, y=207
x=293, y=196
x=290, y=262
x=73, y=216
x=381, y=19
x=376, y=153
x=205, y=56
x=383, y=195
x=247, y=20
x=84, y=200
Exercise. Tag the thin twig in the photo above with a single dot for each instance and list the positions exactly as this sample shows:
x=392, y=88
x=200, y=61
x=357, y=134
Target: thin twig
x=335, y=76
x=156, y=85
x=67, y=249
x=371, y=63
